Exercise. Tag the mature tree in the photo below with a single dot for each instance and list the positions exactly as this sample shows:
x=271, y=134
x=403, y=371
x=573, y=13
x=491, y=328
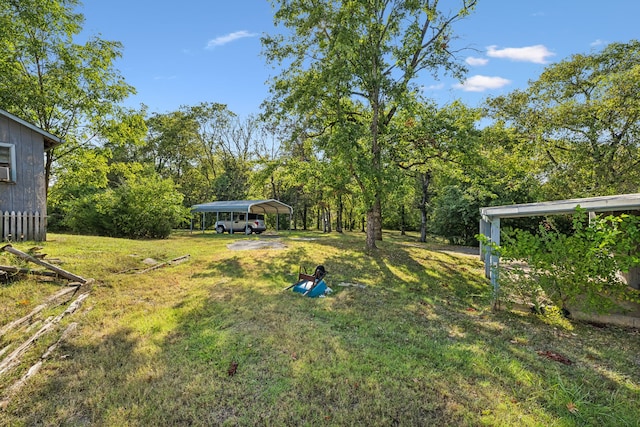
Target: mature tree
x=205, y=148
x=429, y=136
x=65, y=88
x=582, y=116
x=349, y=67
x=500, y=172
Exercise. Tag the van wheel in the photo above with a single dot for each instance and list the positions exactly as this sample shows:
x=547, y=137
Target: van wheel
x=219, y=229
x=248, y=230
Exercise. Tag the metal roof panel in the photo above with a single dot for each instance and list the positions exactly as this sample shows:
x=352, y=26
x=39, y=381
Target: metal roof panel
x=267, y=206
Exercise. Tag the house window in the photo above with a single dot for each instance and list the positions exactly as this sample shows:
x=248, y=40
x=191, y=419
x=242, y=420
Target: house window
x=7, y=163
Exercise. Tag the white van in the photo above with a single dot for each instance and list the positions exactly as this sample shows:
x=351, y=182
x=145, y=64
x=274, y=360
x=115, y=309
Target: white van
x=240, y=223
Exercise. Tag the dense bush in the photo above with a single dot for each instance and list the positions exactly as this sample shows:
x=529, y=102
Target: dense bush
x=578, y=270
x=456, y=214
x=141, y=207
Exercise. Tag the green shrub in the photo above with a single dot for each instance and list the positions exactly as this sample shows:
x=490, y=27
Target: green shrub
x=578, y=270
x=147, y=207
x=141, y=207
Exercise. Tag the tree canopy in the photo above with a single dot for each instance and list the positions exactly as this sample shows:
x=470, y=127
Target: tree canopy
x=350, y=66
x=68, y=89
x=347, y=132
x=581, y=118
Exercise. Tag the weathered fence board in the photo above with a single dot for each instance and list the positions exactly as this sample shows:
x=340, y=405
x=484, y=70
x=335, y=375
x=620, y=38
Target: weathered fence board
x=19, y=226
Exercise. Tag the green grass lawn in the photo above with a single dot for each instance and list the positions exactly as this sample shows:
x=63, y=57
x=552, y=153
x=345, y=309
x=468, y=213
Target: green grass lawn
x=418, y=345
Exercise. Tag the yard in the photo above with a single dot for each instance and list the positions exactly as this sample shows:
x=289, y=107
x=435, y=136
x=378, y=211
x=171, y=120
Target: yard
x=216, y=341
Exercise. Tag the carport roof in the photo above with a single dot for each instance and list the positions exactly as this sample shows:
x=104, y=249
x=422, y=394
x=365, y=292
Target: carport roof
x=618, y=202
x=269, y=206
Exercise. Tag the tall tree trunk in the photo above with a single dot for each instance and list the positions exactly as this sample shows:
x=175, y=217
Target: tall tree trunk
x=377, y=209
x=402, y=232
x=374, y=213
x=370, y=240
x=274, y=193
x=326, y=219
x=425, y=180
x=339, y=215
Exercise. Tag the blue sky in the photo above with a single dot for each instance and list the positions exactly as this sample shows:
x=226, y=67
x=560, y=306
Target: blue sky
x=185, y=53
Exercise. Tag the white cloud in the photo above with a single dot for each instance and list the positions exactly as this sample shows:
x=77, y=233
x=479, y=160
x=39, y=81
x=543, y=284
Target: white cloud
x=479, y=83
x=438, y=86
x=598, y=42
x=472, y=60
x=228, y=38
x=537, y=54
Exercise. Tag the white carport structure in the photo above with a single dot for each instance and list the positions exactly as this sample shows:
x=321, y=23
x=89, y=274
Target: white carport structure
x=491, y=216
x=270, y=206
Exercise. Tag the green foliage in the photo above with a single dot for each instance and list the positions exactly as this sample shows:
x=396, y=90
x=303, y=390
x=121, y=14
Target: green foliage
x=147, y=207
x=70, y=90
x=574, y=270
x=429, y=140
x=581, y=119
x=348, y=68
x=495, y=172
x=90, y=214
x=455, y=215
x=141, y=207
x=205, y=149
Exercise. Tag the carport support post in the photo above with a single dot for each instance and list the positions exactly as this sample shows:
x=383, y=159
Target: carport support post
x=495, y=257
x=485, y=230
x=202, y=222
x=490, y=228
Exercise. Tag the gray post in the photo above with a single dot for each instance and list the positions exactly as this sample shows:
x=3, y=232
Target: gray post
x=495, y=256
x=485, y=252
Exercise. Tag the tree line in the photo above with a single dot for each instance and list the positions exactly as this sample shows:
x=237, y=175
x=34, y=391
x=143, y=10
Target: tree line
x=346, y=137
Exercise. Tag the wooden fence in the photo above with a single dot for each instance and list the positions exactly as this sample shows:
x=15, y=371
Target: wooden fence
x=19, y=226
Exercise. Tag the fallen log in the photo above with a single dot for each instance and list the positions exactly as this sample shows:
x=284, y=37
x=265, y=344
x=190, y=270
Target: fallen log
x=49, y=301
x=12, y=269
x=12, y=359
x=174, y=261
x=15, y=387
x=58, y=270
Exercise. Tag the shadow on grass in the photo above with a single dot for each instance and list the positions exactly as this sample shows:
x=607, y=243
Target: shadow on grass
x=436, y=275
x=411, y=348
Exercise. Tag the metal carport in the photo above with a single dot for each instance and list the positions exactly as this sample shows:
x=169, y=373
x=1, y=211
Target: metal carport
x=269, y=206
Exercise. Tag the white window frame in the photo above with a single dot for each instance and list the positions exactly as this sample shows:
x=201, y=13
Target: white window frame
x=12, y=160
